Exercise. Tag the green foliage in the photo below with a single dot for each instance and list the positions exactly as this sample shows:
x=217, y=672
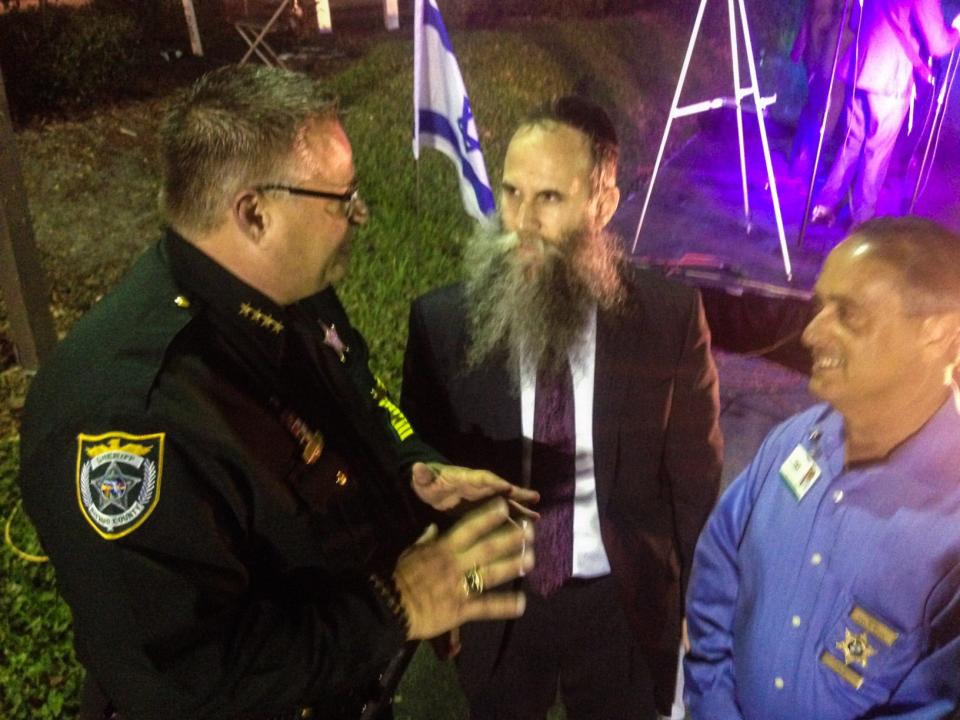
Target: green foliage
x=162, y=21
x=66, y=58
x=39, y=675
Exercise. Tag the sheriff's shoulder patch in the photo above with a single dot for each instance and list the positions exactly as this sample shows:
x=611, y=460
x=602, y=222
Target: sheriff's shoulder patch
x=118, y=480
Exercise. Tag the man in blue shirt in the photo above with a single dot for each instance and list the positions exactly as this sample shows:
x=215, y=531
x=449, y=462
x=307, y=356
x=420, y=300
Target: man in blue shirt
x=827, y=582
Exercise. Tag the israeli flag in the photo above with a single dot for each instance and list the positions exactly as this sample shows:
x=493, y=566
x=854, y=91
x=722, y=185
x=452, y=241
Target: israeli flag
x=442, y=117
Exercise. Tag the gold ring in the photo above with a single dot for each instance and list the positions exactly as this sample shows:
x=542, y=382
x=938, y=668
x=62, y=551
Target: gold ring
x=473, y=582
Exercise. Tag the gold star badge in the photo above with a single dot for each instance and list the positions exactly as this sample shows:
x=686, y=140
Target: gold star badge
x=856, y=648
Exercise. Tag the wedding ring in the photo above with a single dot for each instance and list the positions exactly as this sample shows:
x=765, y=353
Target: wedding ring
x=472, y=582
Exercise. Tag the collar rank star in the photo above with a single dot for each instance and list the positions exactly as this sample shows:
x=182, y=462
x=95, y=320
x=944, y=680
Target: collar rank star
x=856, y=648
x=799, y=472
x=261, y=318
x=118, y=480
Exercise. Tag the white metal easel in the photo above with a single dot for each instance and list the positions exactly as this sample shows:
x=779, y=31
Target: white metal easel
x=740, y=92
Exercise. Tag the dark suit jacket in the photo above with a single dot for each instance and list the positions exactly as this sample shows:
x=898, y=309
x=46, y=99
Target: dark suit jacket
x=657, y=444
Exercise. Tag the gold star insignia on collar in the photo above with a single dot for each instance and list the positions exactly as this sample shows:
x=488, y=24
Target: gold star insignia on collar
x=261, y=318
x=856, y=648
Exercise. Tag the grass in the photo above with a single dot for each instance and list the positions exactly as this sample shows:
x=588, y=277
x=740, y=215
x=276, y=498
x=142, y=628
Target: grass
x=92, y=186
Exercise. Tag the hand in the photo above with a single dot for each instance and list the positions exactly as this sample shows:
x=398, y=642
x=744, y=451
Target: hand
x=684, y=636
x=442, y=487
x=431, y=575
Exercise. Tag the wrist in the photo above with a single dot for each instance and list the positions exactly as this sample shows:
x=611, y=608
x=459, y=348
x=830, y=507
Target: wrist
x=389, y=594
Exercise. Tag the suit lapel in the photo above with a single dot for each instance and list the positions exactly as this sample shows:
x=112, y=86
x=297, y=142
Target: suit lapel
x=491, y=408
x=616, y=350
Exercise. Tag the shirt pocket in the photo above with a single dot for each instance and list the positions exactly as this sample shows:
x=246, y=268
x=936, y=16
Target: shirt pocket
x=863, y=656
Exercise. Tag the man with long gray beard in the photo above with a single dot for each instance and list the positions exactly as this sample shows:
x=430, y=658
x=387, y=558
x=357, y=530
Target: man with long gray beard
x=559, y=365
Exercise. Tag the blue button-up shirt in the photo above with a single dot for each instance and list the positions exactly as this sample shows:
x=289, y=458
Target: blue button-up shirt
x=844, y=604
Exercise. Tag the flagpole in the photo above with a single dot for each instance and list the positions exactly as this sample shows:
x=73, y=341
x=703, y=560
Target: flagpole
x=416, y=163
x=417, y=79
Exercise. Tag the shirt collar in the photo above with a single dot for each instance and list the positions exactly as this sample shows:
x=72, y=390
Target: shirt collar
x=929, y=453
x=238, y=309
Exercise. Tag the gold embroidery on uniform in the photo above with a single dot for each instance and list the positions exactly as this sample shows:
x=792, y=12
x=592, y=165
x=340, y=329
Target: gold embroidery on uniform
x=261, y=318
x=884, y=633
x=113, y=445
x=835, y=664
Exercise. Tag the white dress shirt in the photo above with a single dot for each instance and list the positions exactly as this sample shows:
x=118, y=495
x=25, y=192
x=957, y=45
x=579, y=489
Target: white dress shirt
x=589, y=557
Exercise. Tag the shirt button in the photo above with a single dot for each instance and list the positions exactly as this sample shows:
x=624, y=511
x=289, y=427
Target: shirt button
x=837, y=495
x=778, y=683
x=816, y=559
x=795, y=621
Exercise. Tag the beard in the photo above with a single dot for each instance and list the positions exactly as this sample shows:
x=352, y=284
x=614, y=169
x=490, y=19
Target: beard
x=532, y=299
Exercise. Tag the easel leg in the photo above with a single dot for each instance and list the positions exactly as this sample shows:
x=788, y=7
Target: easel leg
x=738, y=99
x=670, y=116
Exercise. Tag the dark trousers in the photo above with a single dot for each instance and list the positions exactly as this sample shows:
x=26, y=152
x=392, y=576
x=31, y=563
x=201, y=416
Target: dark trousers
x=807, y=137
x=578, y=644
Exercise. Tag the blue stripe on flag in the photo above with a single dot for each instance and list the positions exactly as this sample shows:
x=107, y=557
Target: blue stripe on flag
x=431, y=16
x=431, y=122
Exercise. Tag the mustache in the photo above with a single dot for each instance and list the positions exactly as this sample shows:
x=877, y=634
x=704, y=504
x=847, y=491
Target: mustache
x=505, y=245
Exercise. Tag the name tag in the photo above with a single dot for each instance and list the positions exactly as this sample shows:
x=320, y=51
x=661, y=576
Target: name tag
x=799, y=472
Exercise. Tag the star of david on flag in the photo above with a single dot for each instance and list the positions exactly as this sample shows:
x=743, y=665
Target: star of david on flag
x=442, y=116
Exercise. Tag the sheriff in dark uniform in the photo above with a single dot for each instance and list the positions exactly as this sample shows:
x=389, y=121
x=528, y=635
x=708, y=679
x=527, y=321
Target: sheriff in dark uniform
x=224, y=489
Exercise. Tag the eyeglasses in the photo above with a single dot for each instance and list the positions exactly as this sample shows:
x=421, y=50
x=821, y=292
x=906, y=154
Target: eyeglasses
x=351, y=197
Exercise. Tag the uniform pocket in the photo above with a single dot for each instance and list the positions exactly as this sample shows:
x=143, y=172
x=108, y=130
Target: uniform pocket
x=863, y=656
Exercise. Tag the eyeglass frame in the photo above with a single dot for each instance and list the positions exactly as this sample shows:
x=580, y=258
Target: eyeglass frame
x=351, y=197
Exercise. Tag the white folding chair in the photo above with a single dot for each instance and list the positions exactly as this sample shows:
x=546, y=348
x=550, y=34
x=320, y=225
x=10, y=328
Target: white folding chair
x=254, y=32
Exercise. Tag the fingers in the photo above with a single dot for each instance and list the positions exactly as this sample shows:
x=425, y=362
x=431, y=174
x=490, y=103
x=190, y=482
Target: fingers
x=478, y=484
x=506, y=569
x=477, y=523
x=474, y=484
x=422, y=474
x=446, y=581
x=495, y=606
x=525, y=496
x=447, y=486
x=522, y=512
x=429, y=534
x=502, y=555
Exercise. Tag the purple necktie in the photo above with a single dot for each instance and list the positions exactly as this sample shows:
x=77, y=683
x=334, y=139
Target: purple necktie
x=552, y=473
